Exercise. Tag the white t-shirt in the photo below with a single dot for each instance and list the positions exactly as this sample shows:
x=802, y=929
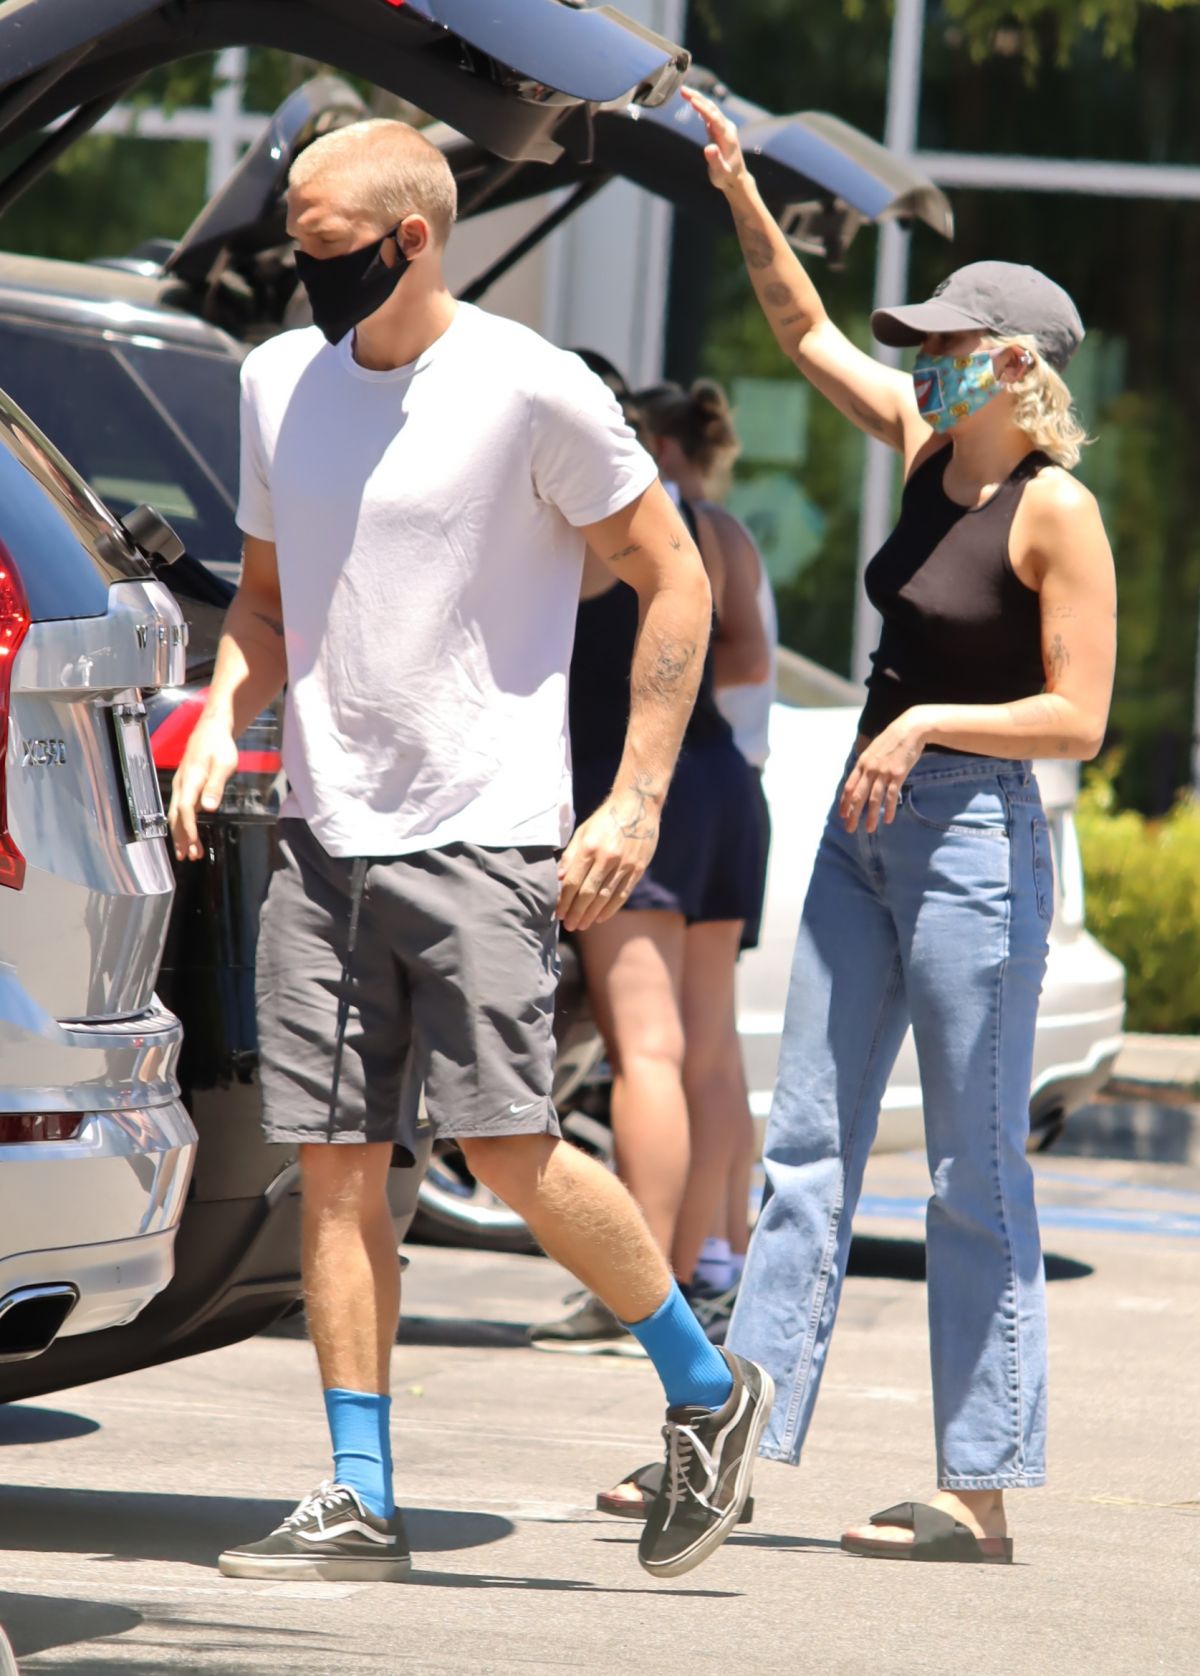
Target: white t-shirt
x=427, y=522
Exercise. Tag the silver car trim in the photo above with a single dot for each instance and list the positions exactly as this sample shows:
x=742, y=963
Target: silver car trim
x=116, y=1065
x=122, y=649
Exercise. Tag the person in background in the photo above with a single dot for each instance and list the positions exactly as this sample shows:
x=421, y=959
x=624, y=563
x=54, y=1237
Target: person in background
x=933, y=889
x=660, y=973
x=693, y=437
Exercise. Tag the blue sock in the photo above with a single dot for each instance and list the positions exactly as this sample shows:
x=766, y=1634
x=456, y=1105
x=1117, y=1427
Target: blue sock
x=359, y=1423
x=693, y=1371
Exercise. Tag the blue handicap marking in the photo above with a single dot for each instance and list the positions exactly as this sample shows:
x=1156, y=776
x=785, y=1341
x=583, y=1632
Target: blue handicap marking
x=1111, y=1218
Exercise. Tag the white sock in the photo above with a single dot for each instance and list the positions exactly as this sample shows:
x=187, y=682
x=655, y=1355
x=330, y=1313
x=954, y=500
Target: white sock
x=713, y=1267
x=737, y=1262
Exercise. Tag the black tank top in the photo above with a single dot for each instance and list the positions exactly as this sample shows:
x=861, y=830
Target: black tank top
x=605, y=635
x=959, y=627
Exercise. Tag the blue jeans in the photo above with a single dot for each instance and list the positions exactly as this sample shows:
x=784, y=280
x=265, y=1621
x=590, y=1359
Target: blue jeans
x=939, y=920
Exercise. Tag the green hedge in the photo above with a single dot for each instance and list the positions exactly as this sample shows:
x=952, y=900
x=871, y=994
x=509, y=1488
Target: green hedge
x=1143, y=902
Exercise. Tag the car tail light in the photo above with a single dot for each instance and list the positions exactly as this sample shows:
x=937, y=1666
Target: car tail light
x=19, y=1127
x=14, y=625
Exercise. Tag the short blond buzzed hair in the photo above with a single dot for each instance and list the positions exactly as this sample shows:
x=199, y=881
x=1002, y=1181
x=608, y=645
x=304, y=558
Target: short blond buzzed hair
x=386, y=168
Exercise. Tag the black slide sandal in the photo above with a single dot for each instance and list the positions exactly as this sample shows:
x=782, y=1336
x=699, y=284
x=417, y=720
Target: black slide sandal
x=936, y=1537
x=648, y=1481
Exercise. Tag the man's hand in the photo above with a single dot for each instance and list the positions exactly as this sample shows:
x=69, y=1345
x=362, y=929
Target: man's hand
x=726, y=163
x=607, y=856
x=873, y=784
x=208, y=762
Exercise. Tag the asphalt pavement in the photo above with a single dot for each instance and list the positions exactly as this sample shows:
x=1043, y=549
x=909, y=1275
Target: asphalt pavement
x=118, y=1496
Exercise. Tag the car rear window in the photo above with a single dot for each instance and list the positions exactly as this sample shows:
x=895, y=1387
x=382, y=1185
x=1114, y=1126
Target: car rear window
x=142, y=422
x=63, y=544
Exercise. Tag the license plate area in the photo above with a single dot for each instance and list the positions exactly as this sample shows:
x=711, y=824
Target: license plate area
x=144, y=811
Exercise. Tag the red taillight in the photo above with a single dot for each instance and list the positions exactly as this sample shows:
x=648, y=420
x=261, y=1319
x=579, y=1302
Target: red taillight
x=14, y=625
x=19, y=1127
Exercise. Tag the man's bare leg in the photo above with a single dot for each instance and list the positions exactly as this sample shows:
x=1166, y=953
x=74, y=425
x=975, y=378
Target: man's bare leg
x=352, y=1294
x=580, y=1215
x=351, y=1266
x=717, y=1406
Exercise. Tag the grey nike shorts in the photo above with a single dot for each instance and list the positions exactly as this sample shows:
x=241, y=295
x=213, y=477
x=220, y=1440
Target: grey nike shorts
x=387, y=977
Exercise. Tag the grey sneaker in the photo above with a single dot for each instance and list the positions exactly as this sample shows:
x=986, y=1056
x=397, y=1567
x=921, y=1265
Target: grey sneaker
x=330, y=1536
x=590, y=1329
x=713, y=1308
x=710, y=1465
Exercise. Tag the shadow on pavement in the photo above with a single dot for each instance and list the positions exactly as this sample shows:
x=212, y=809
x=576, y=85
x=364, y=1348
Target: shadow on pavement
x=1162, y=1127
x=433, y=1330
x=554, y=1585
x=746, y=1539
x=878, y=1258
x=41, y=1425
x=35, y=1622
x=193, y=1529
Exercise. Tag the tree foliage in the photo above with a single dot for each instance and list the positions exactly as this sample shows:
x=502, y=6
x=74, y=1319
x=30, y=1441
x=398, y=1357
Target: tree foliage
x=1028, y=28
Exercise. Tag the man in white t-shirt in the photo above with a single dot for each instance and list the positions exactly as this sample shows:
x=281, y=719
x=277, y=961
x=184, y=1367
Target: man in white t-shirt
x=419, y=483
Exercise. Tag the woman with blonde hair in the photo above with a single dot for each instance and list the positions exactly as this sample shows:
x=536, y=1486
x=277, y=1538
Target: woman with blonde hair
x=933, y=887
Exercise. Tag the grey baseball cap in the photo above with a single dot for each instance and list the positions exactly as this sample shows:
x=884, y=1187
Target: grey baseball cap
x=1005, y=298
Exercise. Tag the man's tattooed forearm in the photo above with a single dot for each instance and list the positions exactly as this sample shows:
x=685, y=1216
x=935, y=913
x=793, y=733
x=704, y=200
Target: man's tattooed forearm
x=756, y=246
x=642, y=824
x=275, y=624
x=625, y=553
x=670, y=667
x=778, y=294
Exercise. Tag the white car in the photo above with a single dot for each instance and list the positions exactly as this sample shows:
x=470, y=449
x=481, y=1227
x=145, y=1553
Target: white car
x=1083, y=1001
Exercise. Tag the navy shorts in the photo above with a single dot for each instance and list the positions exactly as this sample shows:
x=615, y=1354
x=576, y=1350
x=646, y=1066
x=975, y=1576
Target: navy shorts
x=762, y=826
x=708, y=863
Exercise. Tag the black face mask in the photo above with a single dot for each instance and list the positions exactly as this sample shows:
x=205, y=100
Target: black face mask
x=345, y=289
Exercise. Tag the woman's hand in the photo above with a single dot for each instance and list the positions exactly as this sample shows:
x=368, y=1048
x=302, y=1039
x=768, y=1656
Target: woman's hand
x=873, y=784
x=726, y=164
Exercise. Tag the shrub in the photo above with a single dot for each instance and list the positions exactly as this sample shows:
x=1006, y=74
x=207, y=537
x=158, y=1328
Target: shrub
x=1143, y=901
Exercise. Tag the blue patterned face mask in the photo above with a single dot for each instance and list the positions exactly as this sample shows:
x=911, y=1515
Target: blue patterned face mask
x=952, y=387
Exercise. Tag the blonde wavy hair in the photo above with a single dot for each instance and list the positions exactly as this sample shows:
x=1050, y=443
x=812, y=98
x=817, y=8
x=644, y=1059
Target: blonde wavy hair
x=1042, y=407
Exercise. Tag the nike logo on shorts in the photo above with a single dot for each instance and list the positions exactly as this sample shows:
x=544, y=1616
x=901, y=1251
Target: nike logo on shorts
x=517, y=1110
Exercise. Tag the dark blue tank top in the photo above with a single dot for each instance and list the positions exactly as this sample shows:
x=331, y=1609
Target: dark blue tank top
x=605, y=635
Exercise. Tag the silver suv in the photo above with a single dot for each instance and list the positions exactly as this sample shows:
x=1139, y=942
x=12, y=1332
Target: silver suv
x=96, y=1149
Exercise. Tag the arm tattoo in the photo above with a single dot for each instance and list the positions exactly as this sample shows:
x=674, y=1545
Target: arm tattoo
x=625, y=553
x=1060, y=613
x=641, y=826
x=778, y=294
x=1058, y=657
x=676, y=543
x=756, y=246
x=275, y=624
x=670, y=666
x=792, y=319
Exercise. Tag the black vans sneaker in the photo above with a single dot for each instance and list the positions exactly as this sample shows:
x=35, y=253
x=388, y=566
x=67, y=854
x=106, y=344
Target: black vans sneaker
x=710, y=1464
x=330, y=1536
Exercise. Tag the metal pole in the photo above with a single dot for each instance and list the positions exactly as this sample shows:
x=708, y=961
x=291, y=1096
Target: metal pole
x=891, y=284
x=224, y=146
